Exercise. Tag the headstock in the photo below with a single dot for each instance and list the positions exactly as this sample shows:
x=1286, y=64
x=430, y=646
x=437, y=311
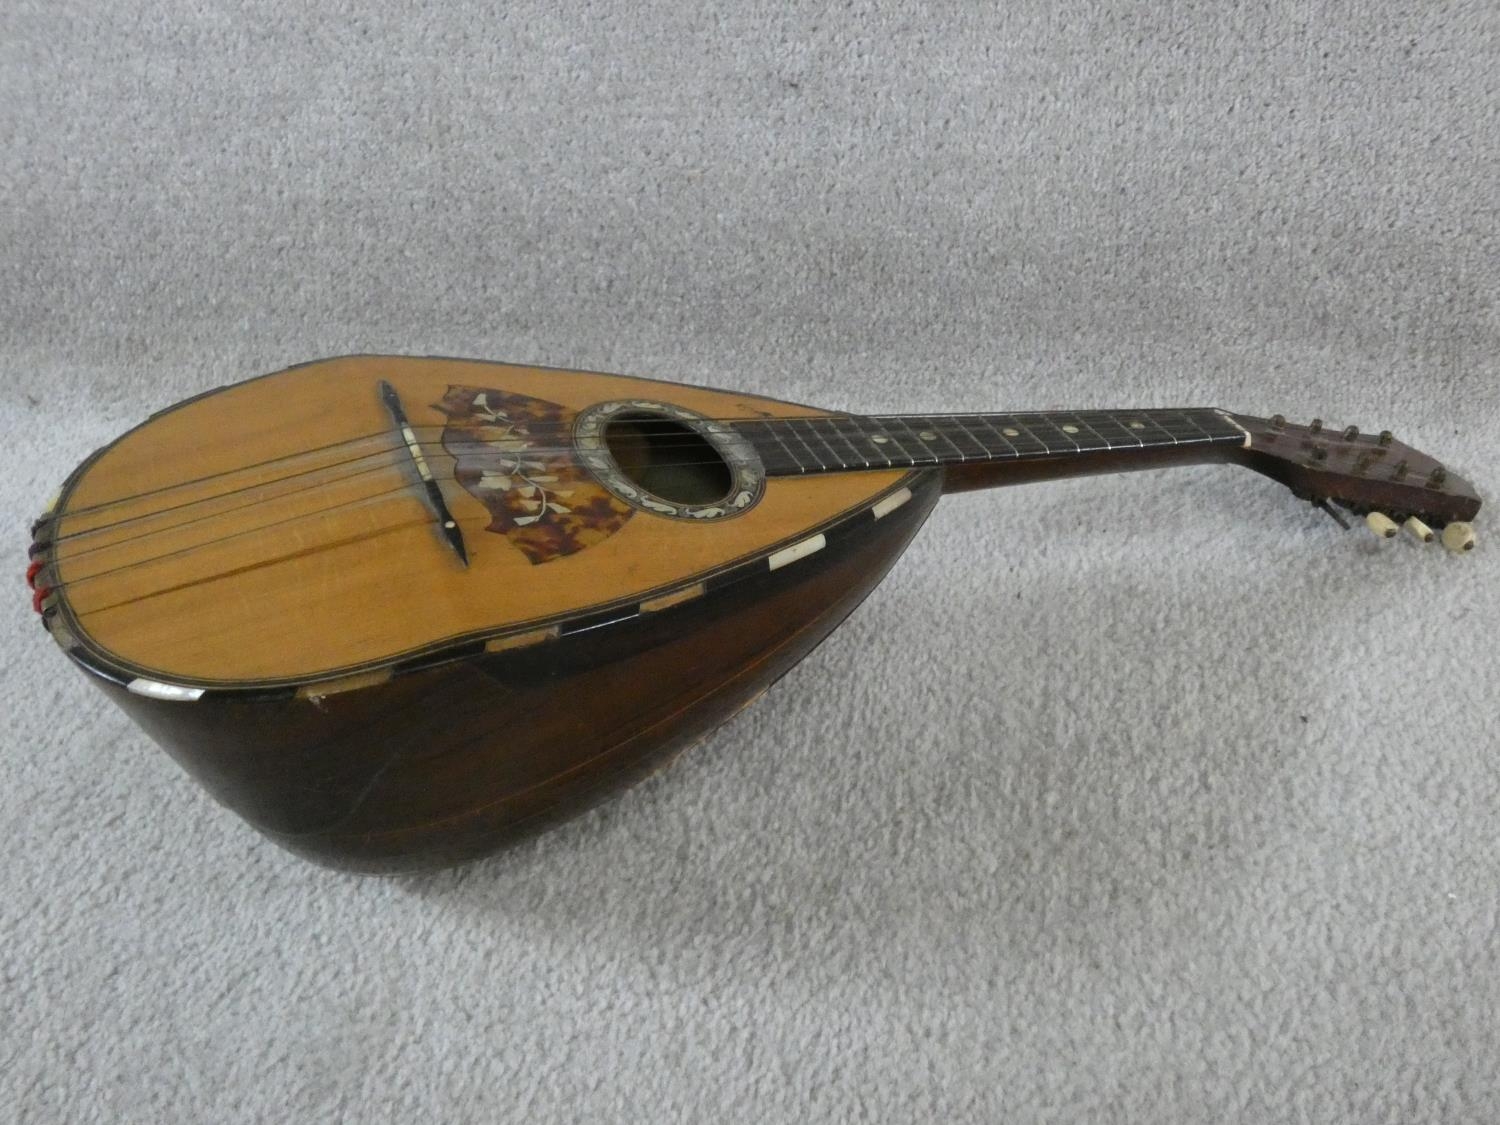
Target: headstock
x=1375, y=476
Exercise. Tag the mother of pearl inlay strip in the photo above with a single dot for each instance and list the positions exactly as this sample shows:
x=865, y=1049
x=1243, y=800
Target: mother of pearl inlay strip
x=676, y=597
x=155, y=689
x=522, y=640
x=359, y=680
x=796, y=551
x=890, y=503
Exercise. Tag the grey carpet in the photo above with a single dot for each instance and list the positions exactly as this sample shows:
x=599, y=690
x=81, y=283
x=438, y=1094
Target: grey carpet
x=1143, y=799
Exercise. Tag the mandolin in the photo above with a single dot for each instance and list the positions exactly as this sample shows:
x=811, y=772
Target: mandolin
x=398, y=611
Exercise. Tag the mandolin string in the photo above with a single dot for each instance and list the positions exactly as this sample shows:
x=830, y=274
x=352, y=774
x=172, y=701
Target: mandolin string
x=322, y=467
x=385, y=436
x=528, y=452
x=403, y=490
x=937, y=423
x=74, y=555
x=389, y=434
x=130, y=497
x=211, y=542
x=930, y=422
x=201, y=580
x=541, y=427
x=427, y=448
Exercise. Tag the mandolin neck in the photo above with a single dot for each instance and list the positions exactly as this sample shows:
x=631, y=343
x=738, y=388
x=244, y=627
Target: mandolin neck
x=983, y=450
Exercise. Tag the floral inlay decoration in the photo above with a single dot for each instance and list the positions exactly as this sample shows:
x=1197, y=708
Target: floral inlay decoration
x=514, y=454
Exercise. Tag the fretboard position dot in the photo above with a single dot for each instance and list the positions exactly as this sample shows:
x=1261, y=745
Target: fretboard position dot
x=880, y=439
x=1137, y=425
x=1011, y=433
x=927, y=435
x=1070, y=429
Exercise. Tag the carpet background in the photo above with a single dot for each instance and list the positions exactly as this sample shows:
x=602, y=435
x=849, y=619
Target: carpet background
x=1148, y=798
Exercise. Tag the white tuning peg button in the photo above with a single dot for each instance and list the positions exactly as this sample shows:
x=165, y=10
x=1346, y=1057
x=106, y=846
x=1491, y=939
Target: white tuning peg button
x=1419, y=530
x=1382, y=525
x=1458, y=537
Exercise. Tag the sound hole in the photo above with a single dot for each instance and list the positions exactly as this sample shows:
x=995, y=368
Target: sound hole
x=668, y=459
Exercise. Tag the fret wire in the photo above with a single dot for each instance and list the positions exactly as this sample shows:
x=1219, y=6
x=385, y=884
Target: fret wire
x=930, y=424
x=928, y=454
x=820, y=428
x=808, y=424
x=1052, y=420
x=885, y=432
x=859, y=455
x=1015, y=450
x=1135, y=428
x=1186, y=432
x=1106, y=417
x=944, y=427
x=797, y=427
x=1093, y=428
x=1148, y=417
x=791, y=428
x=1079, y=424
x=874, y=454
x=819, y=444
x=1172, y=424
x=1185, y=420
x=1023, y=430
x=1193, y=421
x=987, y=424
x=794, y=444
x=979, y=446
x=1112, y=420
x=1046, y=420
x=1031, y=433
x=775, y=432
x=888, y=426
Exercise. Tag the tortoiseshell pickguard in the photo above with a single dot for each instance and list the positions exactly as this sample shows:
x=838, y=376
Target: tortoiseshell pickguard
x=514, y=454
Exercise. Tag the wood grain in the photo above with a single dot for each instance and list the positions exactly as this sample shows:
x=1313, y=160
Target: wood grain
x=442, y=765
x=304, y=549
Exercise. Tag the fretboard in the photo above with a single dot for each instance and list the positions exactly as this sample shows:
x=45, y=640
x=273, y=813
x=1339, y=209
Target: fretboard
x=848, y=442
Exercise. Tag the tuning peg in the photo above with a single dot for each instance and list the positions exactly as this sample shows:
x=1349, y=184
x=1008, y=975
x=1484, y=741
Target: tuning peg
x=1458, y=537
x=1382, y=525
x=1351, y=432
x=1420, y=530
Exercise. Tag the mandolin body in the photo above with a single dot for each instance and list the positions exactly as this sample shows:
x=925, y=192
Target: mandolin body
x=329, y=670
x=446, y=764
x=397, y=611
